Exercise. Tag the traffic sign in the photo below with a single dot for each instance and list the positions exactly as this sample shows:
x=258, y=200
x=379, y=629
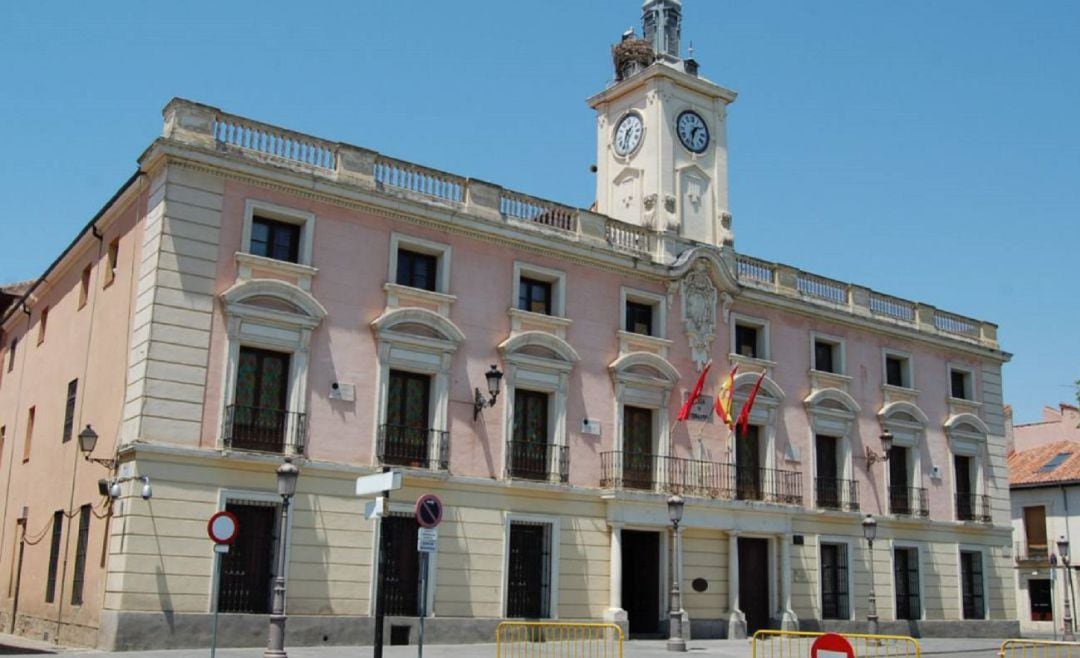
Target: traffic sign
x=427, y=540
x=429, y=510
x=831, y=645
x=222, y=527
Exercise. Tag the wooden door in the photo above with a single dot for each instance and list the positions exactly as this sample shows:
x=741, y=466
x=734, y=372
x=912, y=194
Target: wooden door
x=246, y=570
x=405, y=440
x=529, y=450
x=899, y=493
x=754, y=582
x=401, y=565
x=826, y=483
x=641, y=581
x=260, y=403
x=637, y=448
x=528, y=579
x=965, y=501
x=748, y=465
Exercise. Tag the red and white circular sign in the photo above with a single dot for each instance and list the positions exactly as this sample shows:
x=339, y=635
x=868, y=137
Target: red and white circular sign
x=223, y=527
x=429, y=510
x=831, y=645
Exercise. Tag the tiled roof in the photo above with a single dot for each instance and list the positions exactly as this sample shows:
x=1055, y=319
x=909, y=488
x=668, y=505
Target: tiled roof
x=17, y=289
x=1030, y=467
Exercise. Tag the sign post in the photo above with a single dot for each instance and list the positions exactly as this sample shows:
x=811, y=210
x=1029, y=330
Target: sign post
x=380, y=483
x=429, y=511
x=222, y=528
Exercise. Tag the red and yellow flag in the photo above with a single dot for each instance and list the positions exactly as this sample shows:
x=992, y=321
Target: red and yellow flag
x=723, y=399
x=744, y=415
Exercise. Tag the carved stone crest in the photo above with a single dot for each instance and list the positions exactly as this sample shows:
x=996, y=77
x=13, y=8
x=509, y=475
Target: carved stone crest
x=699, y=312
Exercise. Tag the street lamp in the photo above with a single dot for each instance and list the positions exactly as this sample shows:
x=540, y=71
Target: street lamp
x=675, y=642
x=493, y=377
x=287, y=474
x=1063, y=550
x=886, y=445
x=869, y=530
x=87, y=442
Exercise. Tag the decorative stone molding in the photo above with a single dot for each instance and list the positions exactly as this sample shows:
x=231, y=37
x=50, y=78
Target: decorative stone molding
x=699, y=312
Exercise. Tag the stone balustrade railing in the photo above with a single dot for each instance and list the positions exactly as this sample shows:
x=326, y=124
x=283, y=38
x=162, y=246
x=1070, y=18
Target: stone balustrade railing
x=209, y=127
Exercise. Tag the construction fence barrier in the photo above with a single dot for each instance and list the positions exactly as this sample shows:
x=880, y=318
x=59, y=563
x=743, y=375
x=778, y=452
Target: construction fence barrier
x=1039, y=649
x=547, y=639
x=796, y=644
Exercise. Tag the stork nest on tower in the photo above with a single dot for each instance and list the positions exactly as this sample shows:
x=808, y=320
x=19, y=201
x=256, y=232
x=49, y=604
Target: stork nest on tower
x=631, y=56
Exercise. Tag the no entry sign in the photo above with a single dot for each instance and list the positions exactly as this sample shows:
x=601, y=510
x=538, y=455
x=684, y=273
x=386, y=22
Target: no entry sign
x=831, y=645
x=428, y=510
x=222, y=527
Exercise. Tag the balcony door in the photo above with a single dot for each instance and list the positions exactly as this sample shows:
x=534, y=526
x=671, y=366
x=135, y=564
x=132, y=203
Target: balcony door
x=748, y=464
x=406, y=435
x=259, y=417
x=899, y=492
x=965, y=501
x=528, y=454
x=828, y=486
x=637, y=448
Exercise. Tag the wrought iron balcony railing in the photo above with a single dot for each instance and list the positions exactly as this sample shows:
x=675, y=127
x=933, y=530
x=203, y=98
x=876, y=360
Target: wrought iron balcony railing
x=264, y=430
x=973, y=507
x=1032, y=553
x=546, y=462
x=909, y=501
x=691, y=477
x=419, y=447
x=836, y=494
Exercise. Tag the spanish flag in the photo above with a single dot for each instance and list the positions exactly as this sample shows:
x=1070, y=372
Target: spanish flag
x=684, y=413
x=723, y=399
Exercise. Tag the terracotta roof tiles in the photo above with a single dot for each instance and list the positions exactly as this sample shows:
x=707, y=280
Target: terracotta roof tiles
x=1032, y=466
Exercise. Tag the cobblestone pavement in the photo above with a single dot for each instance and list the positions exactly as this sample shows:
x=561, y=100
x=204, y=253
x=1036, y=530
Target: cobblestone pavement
x=932, y=647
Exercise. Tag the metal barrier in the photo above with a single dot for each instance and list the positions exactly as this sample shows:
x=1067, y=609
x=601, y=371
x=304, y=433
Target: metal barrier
x=548, y=639
x=1038, y=649
x=796, y=644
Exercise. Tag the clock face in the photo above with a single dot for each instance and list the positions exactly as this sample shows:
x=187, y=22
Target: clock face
x=693, y=133
x=628, y=134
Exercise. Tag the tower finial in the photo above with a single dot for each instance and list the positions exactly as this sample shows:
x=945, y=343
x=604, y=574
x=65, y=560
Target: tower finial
x=662, y=24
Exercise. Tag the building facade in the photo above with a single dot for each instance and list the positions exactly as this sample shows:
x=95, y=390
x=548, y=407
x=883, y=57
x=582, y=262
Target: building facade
x=252, y=292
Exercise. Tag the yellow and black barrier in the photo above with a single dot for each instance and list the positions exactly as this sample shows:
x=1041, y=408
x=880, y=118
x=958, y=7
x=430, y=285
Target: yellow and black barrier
x=549, y=639
x=796, y=644
x=1039, y=649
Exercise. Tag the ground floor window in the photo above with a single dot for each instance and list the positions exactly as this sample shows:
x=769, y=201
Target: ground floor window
x=247, y=569
x=528, y=585
x=906, y=574
x=401, y=575
x=834, y=582
x=1042, y=607
x=971, y=584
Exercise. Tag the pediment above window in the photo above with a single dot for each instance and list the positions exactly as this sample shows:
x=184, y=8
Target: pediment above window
x=644, y=368
x=417, y=323
x=273, y=301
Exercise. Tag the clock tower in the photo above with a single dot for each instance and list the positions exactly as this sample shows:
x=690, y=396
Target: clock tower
x=661, y=136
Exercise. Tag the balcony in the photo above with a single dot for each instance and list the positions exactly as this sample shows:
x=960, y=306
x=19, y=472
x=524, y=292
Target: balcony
x=973, y=507
x=836, y=494
x=1032, y=554
x=691, y=477
x=263, y=430
x=417, y=447
x=909, y=501
x=544, y=462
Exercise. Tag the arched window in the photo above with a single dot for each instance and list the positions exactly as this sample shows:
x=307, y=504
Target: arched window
x=643, y=383
x=904, y=472
x=832, y=414
x=967, y=442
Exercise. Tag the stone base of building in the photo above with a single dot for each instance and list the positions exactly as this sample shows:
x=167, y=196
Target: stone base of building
x=708, y=629
x=922, y=628
x=47, y=630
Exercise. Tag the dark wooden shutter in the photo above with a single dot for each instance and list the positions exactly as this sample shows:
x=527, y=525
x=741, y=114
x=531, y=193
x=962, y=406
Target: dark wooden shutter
x=528, y=577
x=69, y=409
x=81, y=547
x=54, y=555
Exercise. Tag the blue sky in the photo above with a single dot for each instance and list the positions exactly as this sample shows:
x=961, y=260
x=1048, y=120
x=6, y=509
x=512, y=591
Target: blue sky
x=930, y=150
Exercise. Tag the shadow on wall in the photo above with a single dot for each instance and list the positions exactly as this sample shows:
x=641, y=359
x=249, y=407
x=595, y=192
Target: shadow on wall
x=164, y=597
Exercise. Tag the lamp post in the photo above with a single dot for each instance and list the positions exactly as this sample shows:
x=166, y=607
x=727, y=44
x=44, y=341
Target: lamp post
x=675, y=642
x=287, y=474
x=1063, y=551
x=869, y=529
x=493, y=377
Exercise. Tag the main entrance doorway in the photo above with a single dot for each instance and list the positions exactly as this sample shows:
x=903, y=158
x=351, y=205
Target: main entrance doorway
x=641, y=581
x=754, y=582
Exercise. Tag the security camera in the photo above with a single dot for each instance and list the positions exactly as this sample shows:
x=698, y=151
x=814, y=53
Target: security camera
x=114, y=490
x=147, y=492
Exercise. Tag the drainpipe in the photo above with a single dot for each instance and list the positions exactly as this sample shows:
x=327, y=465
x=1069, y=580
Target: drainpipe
x=1068, y=538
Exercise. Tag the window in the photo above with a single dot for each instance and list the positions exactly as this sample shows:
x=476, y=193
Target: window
x=43, y=321
x=638, y=431
x=898, y=369
x=416, y=270
x=534, y=296
x=528, y=586
x=1035, y=531
x=69, y=410
x=834, y=582
x=904, y=499
x=971, y=584
x=81, y=546
x=824, y=356
x=748, y=464
x=54, y=555
x=258, y=418
x=29, y=434
x=406, y=434
x=967, y=502
x=1040, y=593
x=112, y=258
x=960, y=384
x=402, y=566
x=829, y=487
x=84, y=286
x=11, y=353
x=247, y=569
x=1055, y=461
x=750, y=338
x=906, y=583
x=275, y=239
x=539, y=290
x=529, y=450
x=639, y=318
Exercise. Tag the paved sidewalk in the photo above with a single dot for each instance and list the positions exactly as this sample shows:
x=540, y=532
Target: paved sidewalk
x=953, y=647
